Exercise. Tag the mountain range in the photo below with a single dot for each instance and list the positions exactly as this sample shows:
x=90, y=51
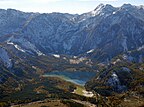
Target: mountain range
x=104, y=28
x=107, y=37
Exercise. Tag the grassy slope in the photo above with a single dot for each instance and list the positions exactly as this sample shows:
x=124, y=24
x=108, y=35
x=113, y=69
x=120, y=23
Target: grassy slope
x=79, y=90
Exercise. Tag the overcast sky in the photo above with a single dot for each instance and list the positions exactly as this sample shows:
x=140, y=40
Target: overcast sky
x=64, y=6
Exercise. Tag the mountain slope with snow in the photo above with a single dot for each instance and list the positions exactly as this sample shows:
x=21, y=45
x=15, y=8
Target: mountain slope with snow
x=104, y=28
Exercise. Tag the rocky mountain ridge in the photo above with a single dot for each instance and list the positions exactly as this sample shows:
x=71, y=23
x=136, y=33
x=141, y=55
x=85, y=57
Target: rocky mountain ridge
x=104, y=28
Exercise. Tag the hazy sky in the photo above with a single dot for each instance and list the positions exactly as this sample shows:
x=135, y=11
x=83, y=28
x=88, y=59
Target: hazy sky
x=64, y=6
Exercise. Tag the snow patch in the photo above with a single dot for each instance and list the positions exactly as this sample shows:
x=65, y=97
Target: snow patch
x=90, y=51
x=19, y=48
x=75, y=57
x=39, y=53
x=16, y=46
x=113, y=80
x=64, y=58
x=114, y=75
x=114, y=12
x=84, y=19
x=56, y=56
x=10, y=43
x=140, y=48
x=26, y=45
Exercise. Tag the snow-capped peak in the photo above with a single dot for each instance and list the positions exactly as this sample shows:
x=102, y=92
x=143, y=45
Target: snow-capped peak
x=98, y=10
x=101, y=9
x=99, y=6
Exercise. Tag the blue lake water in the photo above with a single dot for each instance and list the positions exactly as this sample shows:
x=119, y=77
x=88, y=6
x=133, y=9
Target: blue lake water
x=77, y=77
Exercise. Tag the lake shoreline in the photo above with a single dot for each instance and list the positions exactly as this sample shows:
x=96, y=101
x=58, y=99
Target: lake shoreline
x=64, y=78
x=79, y=77
x=80, y=89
